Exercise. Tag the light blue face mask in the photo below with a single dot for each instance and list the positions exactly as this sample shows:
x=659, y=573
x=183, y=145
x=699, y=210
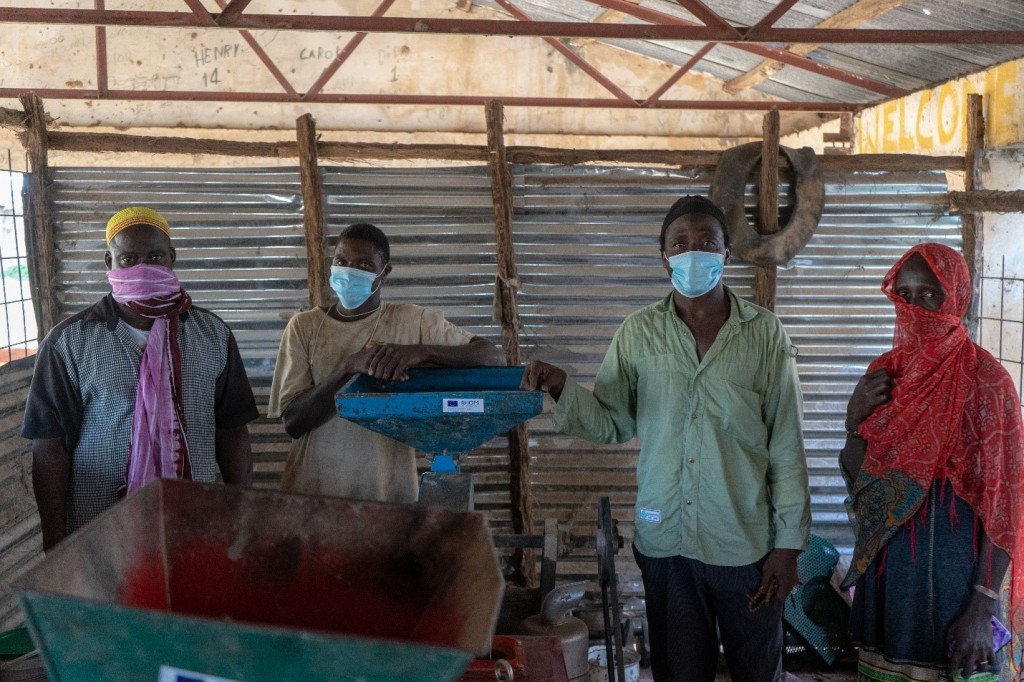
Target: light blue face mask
x=352, y=286
x=695, y=273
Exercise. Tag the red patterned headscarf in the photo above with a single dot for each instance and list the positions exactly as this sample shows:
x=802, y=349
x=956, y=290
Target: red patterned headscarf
x=954, y=412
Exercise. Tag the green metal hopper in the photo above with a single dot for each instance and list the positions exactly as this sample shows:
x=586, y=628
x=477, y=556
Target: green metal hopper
x=185, y=582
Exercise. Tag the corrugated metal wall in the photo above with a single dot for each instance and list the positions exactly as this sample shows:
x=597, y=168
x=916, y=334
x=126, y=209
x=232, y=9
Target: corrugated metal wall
x=20, y=538
x=586, y=241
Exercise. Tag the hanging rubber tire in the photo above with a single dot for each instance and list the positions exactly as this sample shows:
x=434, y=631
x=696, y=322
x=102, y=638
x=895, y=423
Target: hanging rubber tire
x=729, y=188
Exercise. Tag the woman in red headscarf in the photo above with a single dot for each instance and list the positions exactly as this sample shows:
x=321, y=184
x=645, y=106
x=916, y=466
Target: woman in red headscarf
x=933, y=460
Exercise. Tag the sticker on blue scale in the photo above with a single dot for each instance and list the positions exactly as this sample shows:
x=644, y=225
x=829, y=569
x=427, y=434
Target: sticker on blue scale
x=462, y=405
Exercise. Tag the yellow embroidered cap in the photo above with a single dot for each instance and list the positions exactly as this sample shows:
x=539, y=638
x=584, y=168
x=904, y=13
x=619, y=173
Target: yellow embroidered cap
x=136, y=215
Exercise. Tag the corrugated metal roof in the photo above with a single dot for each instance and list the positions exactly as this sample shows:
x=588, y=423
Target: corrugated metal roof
x=911, y=67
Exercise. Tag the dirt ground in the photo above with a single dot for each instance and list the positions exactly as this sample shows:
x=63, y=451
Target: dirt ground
x=843, y=671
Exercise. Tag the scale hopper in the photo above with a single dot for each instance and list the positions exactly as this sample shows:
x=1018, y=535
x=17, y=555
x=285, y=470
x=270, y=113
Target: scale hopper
x=441, y=411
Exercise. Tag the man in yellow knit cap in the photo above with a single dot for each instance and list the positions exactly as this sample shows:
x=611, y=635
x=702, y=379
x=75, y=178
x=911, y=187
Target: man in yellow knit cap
x=138, y=386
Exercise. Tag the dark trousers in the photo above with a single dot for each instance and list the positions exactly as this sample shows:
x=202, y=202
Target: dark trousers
x=690, y=604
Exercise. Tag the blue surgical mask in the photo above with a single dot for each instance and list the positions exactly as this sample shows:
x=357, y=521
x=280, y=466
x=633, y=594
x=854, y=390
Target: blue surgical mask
x=695, y=273
x=352, y=286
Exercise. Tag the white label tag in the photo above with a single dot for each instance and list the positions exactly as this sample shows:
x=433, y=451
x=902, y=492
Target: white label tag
x=169, y=674
x=650, y=515
x=466, y=405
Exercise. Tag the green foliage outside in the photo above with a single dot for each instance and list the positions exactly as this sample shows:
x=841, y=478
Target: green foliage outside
x=17, y=272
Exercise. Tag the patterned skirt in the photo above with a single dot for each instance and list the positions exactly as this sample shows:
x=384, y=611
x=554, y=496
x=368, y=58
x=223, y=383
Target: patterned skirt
x=904, y=604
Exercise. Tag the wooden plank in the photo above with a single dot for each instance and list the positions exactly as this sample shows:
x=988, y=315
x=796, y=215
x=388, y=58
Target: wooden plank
x=361, y=152
x=870, y=163
x=501, y=193
x=506, y=288
x=972, y=159
x=313, y=219
x=39, y=241
x=768, y=206
x=987, y=201
x=115, y=142
x=12, y=118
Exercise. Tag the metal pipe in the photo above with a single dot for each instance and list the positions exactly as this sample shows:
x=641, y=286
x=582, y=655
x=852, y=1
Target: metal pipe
x=502, y=27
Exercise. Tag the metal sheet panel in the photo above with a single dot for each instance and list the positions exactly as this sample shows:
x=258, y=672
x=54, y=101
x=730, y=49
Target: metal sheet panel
x=20, y=536
x=440, y=224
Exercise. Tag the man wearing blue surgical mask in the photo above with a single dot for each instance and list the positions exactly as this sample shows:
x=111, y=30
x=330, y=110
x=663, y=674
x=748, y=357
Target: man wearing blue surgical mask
x=359, y=334
x=708, y=382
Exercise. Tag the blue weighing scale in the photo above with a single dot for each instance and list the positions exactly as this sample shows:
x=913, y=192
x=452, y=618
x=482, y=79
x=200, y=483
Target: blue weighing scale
x=444, y=413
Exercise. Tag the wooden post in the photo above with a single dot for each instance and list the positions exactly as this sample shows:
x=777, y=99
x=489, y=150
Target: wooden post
x=39, y=237
x=975, y=147
x=506, y=287
x=313, y=220
x=768, y=207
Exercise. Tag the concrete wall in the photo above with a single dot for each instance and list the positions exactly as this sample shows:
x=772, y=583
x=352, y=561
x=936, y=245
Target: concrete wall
x=935, y=121
x=217, y=60
x=1002, y=284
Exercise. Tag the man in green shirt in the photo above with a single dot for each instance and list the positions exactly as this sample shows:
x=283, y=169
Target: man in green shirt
x=709, y=384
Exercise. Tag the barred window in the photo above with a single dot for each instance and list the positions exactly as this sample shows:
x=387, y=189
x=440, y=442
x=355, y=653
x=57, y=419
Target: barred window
x=18, y=331
x=1001, y=328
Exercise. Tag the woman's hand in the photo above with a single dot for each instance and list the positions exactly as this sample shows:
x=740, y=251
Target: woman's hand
x=873, y=389
x=970, y=637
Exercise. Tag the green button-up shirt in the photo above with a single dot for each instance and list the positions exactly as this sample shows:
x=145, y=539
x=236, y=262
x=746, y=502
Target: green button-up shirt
x=722, y=475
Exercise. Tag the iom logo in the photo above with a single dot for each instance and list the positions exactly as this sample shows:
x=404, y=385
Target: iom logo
x=462, y=405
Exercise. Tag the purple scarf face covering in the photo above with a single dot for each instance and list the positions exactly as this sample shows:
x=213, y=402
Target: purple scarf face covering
x=158, y=447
